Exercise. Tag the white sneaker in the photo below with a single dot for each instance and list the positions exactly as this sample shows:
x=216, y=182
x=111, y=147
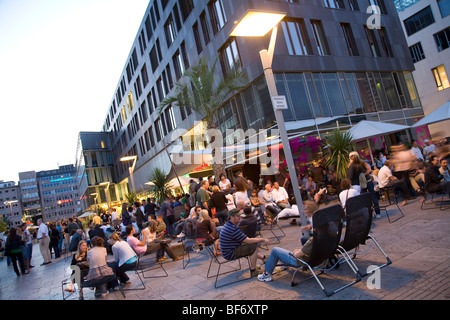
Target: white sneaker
x=181, y=235
x=265, y=277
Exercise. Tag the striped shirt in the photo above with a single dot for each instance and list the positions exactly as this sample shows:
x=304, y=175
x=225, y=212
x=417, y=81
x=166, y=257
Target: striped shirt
x=230, y=238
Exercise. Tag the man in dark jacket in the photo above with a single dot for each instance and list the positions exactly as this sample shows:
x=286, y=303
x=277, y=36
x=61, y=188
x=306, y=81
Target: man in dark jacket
x=168, y=214
x=433, y=178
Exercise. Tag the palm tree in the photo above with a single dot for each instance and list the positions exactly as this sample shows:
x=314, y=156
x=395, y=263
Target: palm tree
x=130, y=197
x=200, y=90
x=159, y=184
x=339, y=145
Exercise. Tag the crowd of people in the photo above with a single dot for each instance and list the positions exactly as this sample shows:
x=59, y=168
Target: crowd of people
x=226, y=214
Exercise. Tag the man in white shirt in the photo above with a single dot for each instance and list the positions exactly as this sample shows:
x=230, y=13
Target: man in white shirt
x=281, y=196
x=429, y=148
x=416, y=152
x=386, y=179
x=44, y=242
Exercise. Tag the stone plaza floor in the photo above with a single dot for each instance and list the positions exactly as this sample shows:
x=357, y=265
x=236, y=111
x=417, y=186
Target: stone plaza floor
x=418, y=245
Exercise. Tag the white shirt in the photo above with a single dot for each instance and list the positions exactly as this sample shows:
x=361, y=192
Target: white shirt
x=42, y=229
x=280, y=194
x=429, y=149
x=242, y=195
x=114, y=216
x=122, y=252
x=30, y=238
x=417, y=153
x=383, y=176
x=224, y=185
x=346, y=194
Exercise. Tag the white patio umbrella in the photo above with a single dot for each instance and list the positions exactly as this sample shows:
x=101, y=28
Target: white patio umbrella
x=183, y=180
x=87, y=214
x=369, y=129
x=440, y=114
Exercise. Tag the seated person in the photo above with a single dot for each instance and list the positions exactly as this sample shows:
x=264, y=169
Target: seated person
x=142, y=249
x=249, y=223
x=206, y=231
x=161, y=229
x=386, y=179
x=287, y=257
x=281, y=196
x=272, y=210
x=77, y=236
x=124, y=257
x=347, y=191
x=79, y=259
x=234, y=244
x=433, y=179
x=98, y=268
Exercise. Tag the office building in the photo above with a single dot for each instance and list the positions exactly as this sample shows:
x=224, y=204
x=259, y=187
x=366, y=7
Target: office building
x=334, y=68
x=426, y=25
x=10, y=205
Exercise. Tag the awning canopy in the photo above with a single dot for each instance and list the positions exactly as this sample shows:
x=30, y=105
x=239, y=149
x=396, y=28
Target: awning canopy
x=368, y=129
x=440, y=114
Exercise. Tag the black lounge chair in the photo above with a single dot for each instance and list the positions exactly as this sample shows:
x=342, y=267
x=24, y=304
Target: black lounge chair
x=327, y=230
x=359, y=213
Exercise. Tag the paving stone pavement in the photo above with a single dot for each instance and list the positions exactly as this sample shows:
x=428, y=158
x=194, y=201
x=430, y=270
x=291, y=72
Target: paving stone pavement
x=418, y=245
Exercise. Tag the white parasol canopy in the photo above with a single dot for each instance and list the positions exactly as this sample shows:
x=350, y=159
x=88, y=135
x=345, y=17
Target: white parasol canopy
x=368, y=129
x=440, y=114
x=87, y=214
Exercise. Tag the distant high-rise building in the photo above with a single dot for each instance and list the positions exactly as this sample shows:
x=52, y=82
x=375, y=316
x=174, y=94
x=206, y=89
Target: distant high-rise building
x=10, y=205
x=51, y=195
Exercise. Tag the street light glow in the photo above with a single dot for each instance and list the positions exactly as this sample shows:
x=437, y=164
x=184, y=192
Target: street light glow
x=257, y=24
x=128, y=158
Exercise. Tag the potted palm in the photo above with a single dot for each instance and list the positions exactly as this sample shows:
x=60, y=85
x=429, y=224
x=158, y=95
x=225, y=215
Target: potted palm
x=339, y=147
x=201, y=90
x=159, y=184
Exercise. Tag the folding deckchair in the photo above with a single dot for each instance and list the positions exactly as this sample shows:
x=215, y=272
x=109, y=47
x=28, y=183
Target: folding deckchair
x=359, y=212
x=327, y=230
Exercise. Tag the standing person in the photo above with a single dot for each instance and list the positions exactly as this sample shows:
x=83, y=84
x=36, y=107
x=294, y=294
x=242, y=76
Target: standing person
x=168, y=215
x=44, y=242
x=24, y=249
x=150, y=208
x=54, y=240
x=192, y=193
x=61, y=237
x=13, y=250
x=219, y=201
x=203, y=195
x=234, y=244
x=28, y=238
x=354, y=171
x=139, y=214
x=224, y=183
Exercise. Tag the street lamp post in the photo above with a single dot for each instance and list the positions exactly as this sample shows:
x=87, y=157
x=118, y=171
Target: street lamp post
x=95, y=201
x=131, y=169
x=10, y=205
x=258, y=24
x=106, y=194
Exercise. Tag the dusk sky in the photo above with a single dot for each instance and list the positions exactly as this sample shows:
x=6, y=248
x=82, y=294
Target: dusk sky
x=60, y=63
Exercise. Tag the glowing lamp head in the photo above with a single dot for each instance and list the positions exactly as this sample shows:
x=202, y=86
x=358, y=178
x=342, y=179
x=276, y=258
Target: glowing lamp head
x=256, y=24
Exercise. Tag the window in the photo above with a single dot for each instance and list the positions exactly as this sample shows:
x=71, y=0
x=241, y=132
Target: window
x=170, y=30
x=385, y=42
x=442, y=39
x=158, y=130
x=154, y=58
x=440, y=76
x=296, y=36
x=138, y=87
x=444, y=7
x=335, y=4
x=217, y=15
x=148, y=28
x=186, y=7
x=178, y=65
x=229, y=57
x=170, y=119
x=321, y=40
x=198, y=40
x=353, y=5
x=144, y=75
x=349, y=39
x=380, y=4
x=417, y=53
x=420, y=20
x=205, y=28
x=373, y=44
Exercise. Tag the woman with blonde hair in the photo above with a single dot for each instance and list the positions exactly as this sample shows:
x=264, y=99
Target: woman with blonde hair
x=79, y=259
